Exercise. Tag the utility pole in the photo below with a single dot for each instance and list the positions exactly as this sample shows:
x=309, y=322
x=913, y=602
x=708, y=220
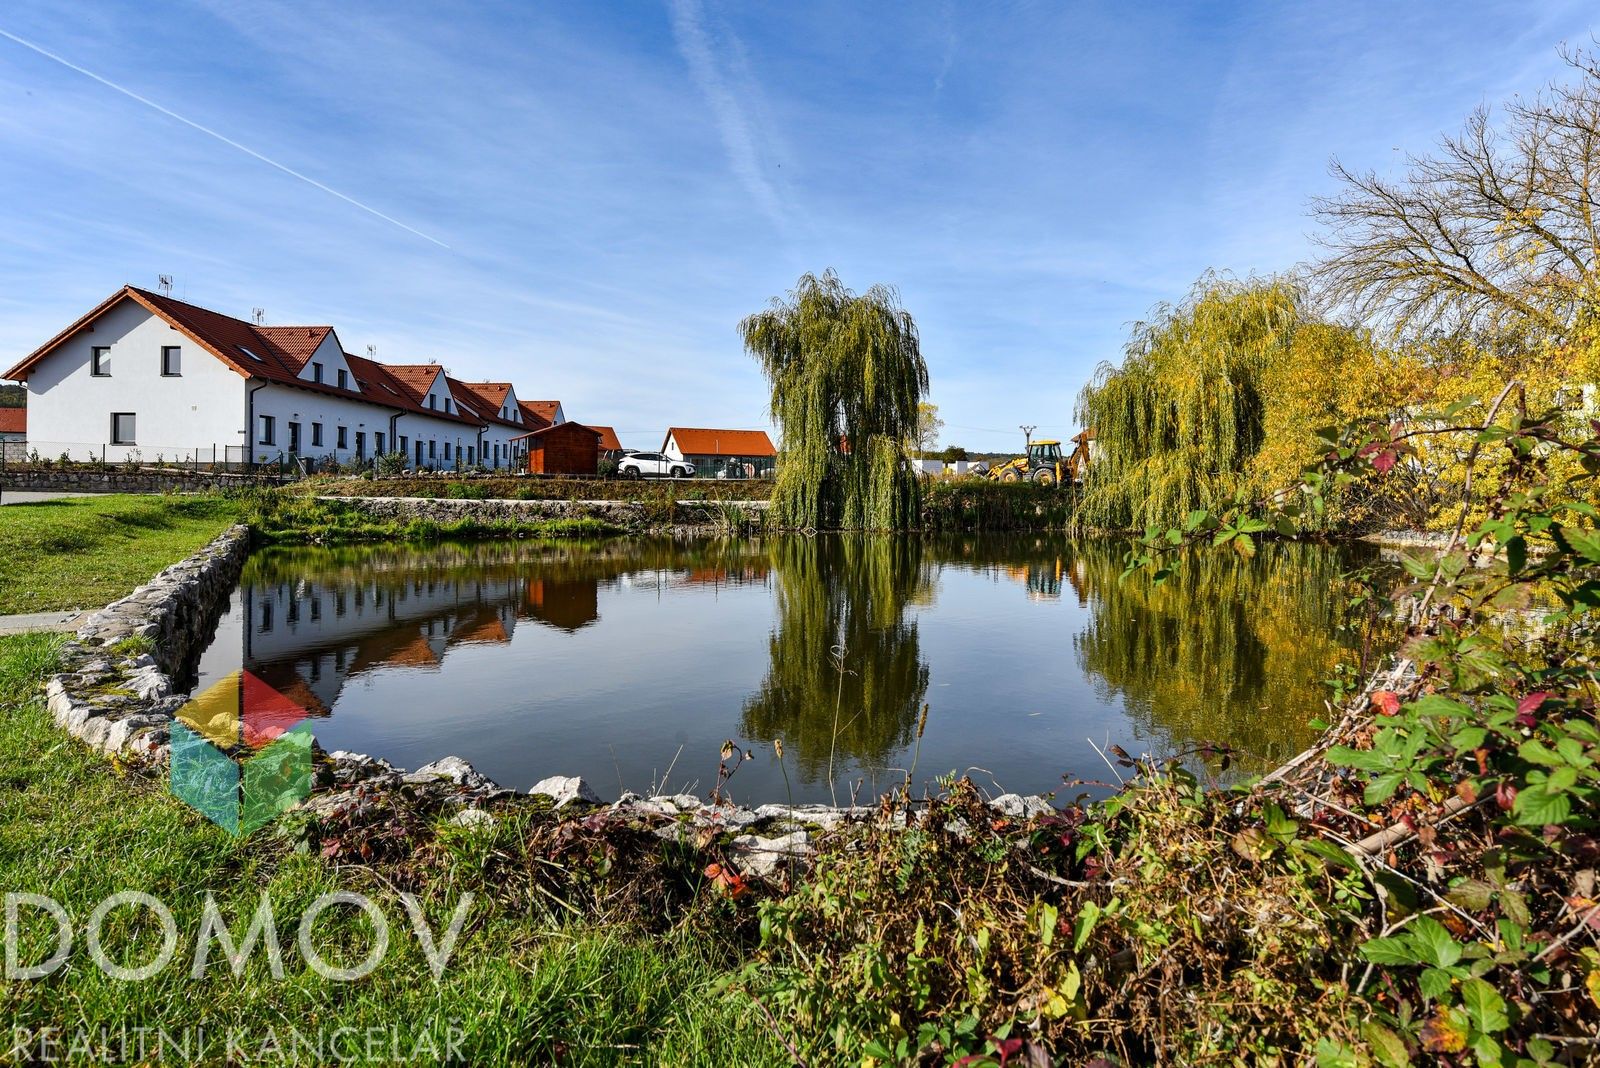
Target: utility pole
x=1027, y=434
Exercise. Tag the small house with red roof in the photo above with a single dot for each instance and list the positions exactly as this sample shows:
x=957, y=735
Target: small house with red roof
x=722, y=453
x=13, y=424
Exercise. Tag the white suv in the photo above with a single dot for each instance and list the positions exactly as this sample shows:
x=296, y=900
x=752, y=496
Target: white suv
x=653, y=465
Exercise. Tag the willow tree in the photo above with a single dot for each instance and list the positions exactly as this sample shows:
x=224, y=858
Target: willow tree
x=847, y=374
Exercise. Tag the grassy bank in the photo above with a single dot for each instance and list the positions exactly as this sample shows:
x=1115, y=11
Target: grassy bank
x=529, y=983
x=82, y=552
x=279, y=518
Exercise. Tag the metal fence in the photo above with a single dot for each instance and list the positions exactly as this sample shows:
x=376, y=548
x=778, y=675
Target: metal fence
x=235, y=459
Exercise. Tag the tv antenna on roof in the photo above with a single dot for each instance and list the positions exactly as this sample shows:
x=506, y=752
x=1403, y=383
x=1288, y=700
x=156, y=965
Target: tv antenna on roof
x=258, y=316
x=372, y=352
x=164, y=283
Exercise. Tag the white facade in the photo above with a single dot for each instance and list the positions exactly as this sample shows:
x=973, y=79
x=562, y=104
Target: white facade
x=193, y=415
x=128, y=385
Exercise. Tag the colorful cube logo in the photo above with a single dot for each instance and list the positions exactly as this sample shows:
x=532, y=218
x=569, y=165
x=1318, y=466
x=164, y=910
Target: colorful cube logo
x=241, y=753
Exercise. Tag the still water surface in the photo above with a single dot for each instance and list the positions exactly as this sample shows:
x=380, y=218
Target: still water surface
x=630, y=662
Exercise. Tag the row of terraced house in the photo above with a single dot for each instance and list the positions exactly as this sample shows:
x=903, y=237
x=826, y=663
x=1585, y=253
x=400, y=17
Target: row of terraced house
x=143, y=376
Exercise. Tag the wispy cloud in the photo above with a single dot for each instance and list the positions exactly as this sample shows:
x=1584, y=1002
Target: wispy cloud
x=169, y=113
x=734, y=122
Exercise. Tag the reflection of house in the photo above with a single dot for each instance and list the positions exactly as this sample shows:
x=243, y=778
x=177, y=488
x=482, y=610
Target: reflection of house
x=729, y=453
x=570, y=605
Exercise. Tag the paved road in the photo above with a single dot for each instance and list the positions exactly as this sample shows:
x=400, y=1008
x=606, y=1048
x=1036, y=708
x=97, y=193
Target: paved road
x=30, y=497
x=36, y=621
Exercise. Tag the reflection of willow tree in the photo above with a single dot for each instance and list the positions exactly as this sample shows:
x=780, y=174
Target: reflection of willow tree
x=1228, y=650
x=851, y=592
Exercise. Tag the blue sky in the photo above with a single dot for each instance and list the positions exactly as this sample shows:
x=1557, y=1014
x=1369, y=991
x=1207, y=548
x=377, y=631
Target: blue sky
x=586, y=198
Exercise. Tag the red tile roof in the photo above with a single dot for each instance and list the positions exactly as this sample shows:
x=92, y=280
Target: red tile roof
x=484, y=398
x=698, y=441
x=557, y=426
x=608, y=439
x=416, y=379
x=248, y=350
x=296, y=342
x=544, y=411
x=13, y=420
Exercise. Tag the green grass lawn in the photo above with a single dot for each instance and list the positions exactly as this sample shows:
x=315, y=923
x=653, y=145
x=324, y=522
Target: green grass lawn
x=524, y=986
x=83, y=552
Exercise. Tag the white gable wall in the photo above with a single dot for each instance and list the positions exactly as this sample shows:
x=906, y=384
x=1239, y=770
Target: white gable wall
x=330, y=354
x=184, y=417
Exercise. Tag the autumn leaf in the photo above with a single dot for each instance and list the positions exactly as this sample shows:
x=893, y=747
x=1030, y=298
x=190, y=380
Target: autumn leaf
x=1444, y=1033
x=1387, y=702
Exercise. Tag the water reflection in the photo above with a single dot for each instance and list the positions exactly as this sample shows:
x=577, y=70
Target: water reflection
x=621, y=660
x=843, y=650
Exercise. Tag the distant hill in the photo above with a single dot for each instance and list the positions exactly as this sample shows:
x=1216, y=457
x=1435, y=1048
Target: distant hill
x=13, y=397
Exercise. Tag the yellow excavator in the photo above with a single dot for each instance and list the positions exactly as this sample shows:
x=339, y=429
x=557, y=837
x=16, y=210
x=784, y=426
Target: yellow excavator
x=1045, y=463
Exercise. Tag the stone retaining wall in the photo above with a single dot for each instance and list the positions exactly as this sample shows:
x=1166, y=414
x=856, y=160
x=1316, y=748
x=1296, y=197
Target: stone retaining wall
x=118, y=480
x=123, y=702
x=687, y=516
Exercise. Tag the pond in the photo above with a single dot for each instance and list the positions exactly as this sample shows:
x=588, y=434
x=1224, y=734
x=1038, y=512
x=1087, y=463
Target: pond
x=631, y=662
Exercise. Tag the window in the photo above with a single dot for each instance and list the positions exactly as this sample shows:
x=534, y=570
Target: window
x=344, y=437
x=171, y=361
x=316, y=435
x=447, y=452
x=377, y=444
x=405, y=443
x=447, y=404
x=433, y=449
x=122, y=428
x=269, y=430
x=250, y=354
x=433, y=402
x=344, y=379
x=100, y=361
x=316, y=372
x=266, y=617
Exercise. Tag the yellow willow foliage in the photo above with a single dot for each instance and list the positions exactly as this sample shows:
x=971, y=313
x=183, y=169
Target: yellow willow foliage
x=1188, y=421
x=847, y=377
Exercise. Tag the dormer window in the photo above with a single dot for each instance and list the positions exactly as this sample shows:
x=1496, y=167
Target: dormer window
x=433, y=402
x=316, y=372
x=447, y=404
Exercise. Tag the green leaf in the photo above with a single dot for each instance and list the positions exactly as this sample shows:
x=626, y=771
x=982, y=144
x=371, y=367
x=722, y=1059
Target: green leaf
x=1435, y=982
x=1516, y=554
x=1388, y=951
x=1365, y=759
x=1383, y=787
x=1047, y=923
x=1485, y=1007
x=1471, y=894
x=1536, y=752
x=1586, y=543
x=1536, y=806
x=1433, y=942
x=1088, y=916
x=1388, y=1048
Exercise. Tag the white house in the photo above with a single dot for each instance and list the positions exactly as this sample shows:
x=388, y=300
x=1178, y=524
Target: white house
x=144, y=376
x=496, y=405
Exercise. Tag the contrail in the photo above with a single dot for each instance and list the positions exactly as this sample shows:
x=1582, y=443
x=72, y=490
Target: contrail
x=169, y=113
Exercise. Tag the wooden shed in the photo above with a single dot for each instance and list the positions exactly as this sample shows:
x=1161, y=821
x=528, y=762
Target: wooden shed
x=562, y=449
